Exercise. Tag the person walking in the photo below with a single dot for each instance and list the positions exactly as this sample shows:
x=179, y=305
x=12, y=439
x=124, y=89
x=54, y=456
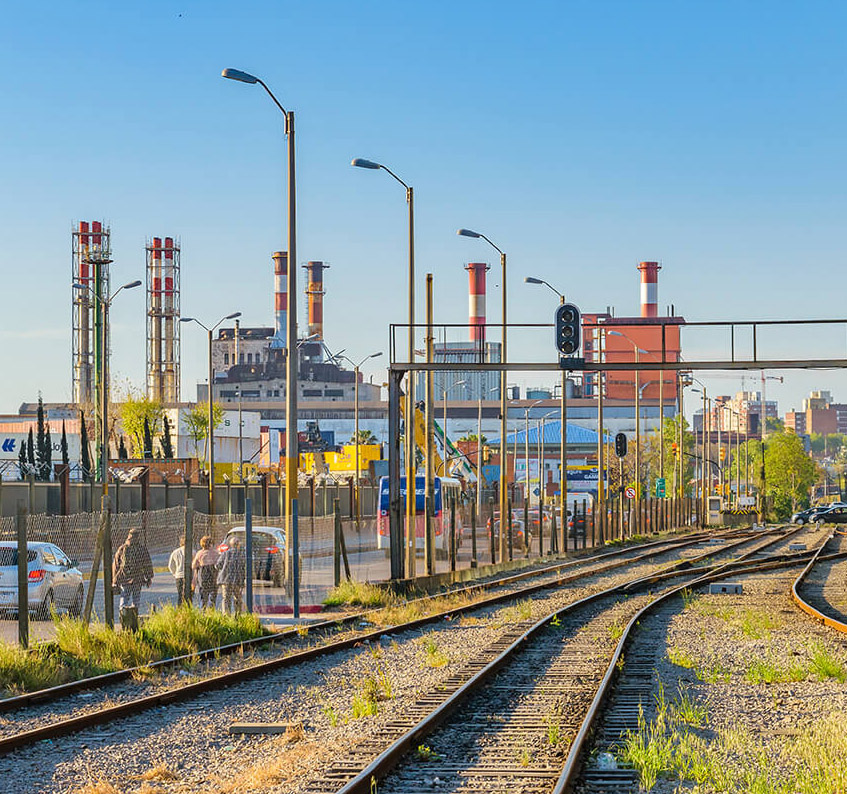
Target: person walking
x=176, y=565
x=132, y=569
x=205, y=573
x=232, y=572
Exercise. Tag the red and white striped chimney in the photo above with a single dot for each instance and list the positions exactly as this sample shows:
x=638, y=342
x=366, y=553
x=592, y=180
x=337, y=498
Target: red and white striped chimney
x=315, y=298
x=280, y=298
x=476, y=299
x=649, y=288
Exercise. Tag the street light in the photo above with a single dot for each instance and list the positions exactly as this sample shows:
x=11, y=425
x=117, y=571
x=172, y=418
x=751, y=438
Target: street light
x=356, y=423
x=292, y=452
x=638, y=351
x=211, y=433
x=563, y=433
x=504, y=504
x=105, y=304
x=411, y=542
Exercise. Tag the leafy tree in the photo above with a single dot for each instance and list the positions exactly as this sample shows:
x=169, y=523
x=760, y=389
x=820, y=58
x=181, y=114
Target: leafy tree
x=790, y=473
x=197, y=424
x=471, y=438
x=651, y=455
x=774, y=425
x=64, y=447
x=829, y=444
x=165, y=442
x=365, y=437
x=122, y=453
x=148, y=440
x=85, y=452
x=136, y=410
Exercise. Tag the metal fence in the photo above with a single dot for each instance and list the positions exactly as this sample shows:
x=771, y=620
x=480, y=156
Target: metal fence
x=331, y=548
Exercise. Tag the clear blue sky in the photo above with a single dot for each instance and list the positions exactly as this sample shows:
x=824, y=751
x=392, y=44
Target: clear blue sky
x=582, y=137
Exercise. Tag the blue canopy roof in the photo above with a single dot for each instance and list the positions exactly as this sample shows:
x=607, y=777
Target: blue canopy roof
x=577, y=436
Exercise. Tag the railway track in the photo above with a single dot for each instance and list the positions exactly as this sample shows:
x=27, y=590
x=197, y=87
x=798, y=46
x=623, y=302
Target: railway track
x=506, y=720
x=610, y=559
x=634, y=685
x=572, y=571
x=811, y=589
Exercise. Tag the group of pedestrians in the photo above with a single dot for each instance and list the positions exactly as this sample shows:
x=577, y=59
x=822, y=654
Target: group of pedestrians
x=211, y=570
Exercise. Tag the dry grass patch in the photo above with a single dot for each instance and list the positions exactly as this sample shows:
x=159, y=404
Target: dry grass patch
x=294, y=757
x=99, y=786
x=160, y=773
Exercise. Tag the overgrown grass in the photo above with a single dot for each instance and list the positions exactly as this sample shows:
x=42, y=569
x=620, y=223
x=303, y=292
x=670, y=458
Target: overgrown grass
x=768, y=671
x=680, y=657
x=80, y=651
x=825, y=664
x=350, y=593
x=667, y=748
x=516, y=613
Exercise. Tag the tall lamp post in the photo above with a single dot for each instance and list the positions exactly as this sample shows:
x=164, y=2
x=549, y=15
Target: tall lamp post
x=211, y=433
x=504, y=501
x=638, y=352
x=105, y=304
x=360, y=162
x=563, y=434
x=292, y=452
x=356, y=368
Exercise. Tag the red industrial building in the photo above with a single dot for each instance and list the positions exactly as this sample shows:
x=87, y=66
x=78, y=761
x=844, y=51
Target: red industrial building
x=615, y=340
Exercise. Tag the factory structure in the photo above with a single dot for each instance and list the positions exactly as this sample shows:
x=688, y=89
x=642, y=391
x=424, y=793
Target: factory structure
x=163, y=265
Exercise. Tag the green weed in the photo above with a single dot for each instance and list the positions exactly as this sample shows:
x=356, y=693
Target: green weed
x=433, y=655
x=425, y=753
x=350, y=593
x=680, y=658
x=331, y=714
x=825, y=664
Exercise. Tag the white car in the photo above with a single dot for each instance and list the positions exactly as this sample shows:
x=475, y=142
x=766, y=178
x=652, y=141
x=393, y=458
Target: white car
x=53, y=579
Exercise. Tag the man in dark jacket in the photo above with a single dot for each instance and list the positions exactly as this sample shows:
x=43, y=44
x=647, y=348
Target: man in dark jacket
x=132, y=570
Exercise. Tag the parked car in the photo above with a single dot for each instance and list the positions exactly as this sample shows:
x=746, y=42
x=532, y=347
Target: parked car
x=830, y=515
x=804, y=516
x=53, y=579
x=268, y=551
x=519, y=538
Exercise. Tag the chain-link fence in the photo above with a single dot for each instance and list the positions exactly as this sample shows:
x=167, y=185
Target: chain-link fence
x=64, y=553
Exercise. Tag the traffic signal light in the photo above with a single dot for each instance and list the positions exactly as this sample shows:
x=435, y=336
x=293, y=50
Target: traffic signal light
x=674, y=450
x=723, y=454
x=620, y=445
x=567, y=329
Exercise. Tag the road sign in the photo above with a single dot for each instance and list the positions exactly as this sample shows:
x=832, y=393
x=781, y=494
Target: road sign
x=746, y=501
x=629, y=493
x=536, y=491
x=660, y=488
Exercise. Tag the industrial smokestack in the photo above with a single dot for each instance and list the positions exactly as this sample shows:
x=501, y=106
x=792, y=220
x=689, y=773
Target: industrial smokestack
x=280, y=299
x=649, y=288
x=315, y=297
x=476, y=300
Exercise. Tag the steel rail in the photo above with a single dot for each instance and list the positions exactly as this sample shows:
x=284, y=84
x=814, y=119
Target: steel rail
x=118, y=676
x=216, y=682
x=827, y=620
x=572, y=768
x=366, y=780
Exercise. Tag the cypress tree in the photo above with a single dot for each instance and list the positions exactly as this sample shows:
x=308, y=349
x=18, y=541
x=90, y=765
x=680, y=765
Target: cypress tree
x=85, y=457
x=47, y=465
x=64, y=446
x=30, y=451
x=148, y=440
x=22, y=460
x=41, y=472
x=122, y=453
x=167, y=445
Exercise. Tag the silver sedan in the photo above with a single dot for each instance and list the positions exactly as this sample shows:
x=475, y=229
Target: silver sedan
x=54, y=581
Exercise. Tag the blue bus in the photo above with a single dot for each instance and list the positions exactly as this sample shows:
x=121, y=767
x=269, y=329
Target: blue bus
x=445, y=488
